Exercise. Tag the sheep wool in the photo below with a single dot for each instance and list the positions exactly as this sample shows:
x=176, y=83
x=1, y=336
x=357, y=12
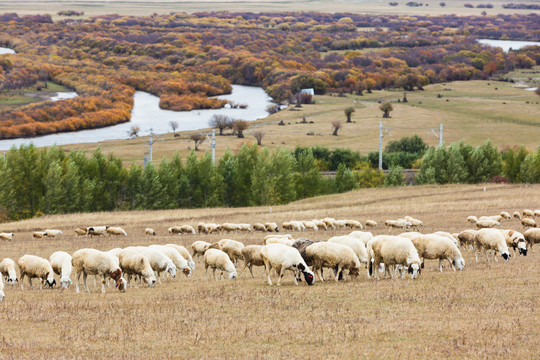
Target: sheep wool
x=36, y=267
x=219, y=260
x=184, y=253
x=133, y=263
x=281, y=258
x=61, y=264
x=356, y=244
x=95, y=262
x=252, y=257
x=491, y=239
x=7, y=268
x=233, y=248
x=198, y=248
x=334, y=255
x=2, y=294
x=433, y=247
x=116, y=231
x=532, y=236
x=393, y=250
x=178, y=260
x=6, y=236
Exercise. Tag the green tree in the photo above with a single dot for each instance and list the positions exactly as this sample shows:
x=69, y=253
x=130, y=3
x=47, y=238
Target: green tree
x=151, y=191
x=307, y=177
x=456, y=167
x=485, y=163
x=394, y=177
x=512, y=163
x=345, y=180
x=386, y=108
x=228, y=169
x=348, y=113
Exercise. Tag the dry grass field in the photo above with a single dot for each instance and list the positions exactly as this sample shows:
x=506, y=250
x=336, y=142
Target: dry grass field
x=140, y=8
x=474, y=111
x=489, y=310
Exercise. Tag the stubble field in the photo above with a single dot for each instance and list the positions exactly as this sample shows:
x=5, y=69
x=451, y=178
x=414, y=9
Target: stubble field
x=486, y=311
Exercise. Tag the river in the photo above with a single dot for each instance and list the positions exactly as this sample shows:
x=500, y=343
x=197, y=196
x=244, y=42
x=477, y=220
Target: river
x=506, y=45
x=146, y=114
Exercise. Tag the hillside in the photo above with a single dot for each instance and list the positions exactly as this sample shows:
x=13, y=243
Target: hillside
x=465, y=314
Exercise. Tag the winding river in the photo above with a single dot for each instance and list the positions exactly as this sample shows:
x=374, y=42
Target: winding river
x=146, y=114
x=506, y=45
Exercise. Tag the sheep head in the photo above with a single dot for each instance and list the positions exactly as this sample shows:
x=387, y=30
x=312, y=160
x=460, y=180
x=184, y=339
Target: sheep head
x=308, y=274
x=505, y=255
x=171, y=269
x=116, y=275
x=522, y=247
x=414, y=270
x=65, y=282
x=459, y=262
x=187, y=271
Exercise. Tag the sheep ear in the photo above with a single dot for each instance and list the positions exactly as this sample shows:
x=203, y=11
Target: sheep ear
x=301, y=267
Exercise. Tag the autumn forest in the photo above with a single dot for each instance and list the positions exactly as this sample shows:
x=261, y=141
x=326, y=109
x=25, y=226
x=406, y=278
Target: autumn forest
x=185, y=59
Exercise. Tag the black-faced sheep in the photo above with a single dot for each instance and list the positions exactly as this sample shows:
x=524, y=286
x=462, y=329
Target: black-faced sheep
x=7, y=268
x=433, y=247
x=335, y=256
x=6, y=236
x=36, y=267
x=393, y=251
x=281, y=258
x=491, y=239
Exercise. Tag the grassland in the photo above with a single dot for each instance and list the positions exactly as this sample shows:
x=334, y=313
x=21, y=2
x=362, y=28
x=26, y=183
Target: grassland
x=10, y=99
x=486, y=311
x=139, y=8
x=473, y=111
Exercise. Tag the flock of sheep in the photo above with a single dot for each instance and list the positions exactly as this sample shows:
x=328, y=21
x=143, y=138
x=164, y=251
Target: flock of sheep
x=394, y=255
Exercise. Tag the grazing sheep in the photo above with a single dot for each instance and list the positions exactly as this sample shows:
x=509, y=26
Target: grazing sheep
x=38, y=234
x=466, y=238
x=245, y=227
x=310, y=225
x=7, y=268
x=393, y=251
x=211, y=228
x=528, y=223
x=528, y=213
x=320, y=224
x=281, y=258
x=497, y=218
x=516, y=240
x=134, y=263
x=517, y=215
x=487, y=223
x=116, y=231
x=2, y=294
x=217, y=259
x=184, y=253
x=301, y=245
x=36, y=267
x=294, y=225
x=285, y=236
x=259, y=227
x=6, y=236
x=334, y=255
x=491, y=239
x=354, y=224
x=330, y=222
x=201, y=228
x=178, y=260
x=116, y=251
x=150, y=232
x=410, y=235
x=371, y=224
x=415, y=223
x=52, y=232
x=365, y=236
x=398, y=224
x=340, y=224
x=356, y=244
x=97, y=231
x=95, y=262
x=175, y=230
x=61, y=265
x=271, y=227
x=537, y=212
x=447, y=235
x=433, y=246
x=198, y=248
x=233, y=248
x=81, y=231
x=532, y=236
x=159, y=261
x=279, y=240
x=229, y=227
x=472, y=219
x=252, y=257
x=187, y=229
x=505, y=215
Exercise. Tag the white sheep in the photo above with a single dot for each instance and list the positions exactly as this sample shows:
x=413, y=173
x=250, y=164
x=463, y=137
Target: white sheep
x=198, y=248
x=187, y=229
x=371, y=224
x=52, y=232
x=472, y=219
x=433, y=247
x=36, y=267
x=201, y=228
x=356, y=244
x=415, y=223
x=532, y=236
x=516, y=240
x=286, y=236
x=259, y=227
x=517, y=215
x=279, y=240
x=466, y=238
x=38, y=234
x=398, y=224
x=336, y=256
x=393, y=251
x=487, y=223
x=354, y=224
x=61, y=264
x=497, y=218
x=114, y=230
x=491, y=239
x=217, y=259
x=252, y=257
x=245, y=227
x=537, y=213
x=271, y=227
x=281, y=258
x=175, y=230
x=150, y=232
x=340, y=224
x=365, y=236
x=228, y=227
x=159, y=261
x=178, y=260
x=95, y=262
x=448, y=235
x=320, y=224
x=505, y=215
x=330, y=222
x=294, y=225
x=528, y=223
x=528, y=213
x=233, y=248
x=97, y=230
x=137, y=264
x=184, y=253
x=310, y=225
x=7, y=267
x=80, y=231
x=6, y=236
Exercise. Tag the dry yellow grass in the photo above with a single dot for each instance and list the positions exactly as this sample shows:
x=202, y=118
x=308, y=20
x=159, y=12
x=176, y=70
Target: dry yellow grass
x=486, y=311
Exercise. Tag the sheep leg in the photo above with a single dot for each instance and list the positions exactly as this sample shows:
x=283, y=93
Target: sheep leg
x=452, y=265
x=214, y=270
x=336, y=276
x=158, y=276
x=21, y=280
x=30, y=282
x=205, y=271
x=251, y=271
x=440, y=265
x=281, y=272
x=103, y=283
x=319, y=272
x=85, y=277
x=78, y=276
x=267, y=269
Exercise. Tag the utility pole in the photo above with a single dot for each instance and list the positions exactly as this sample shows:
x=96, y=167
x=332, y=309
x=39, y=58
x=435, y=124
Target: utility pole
x=213, y=142
x=440, y=135
x=381, y=136
x=150, y=143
